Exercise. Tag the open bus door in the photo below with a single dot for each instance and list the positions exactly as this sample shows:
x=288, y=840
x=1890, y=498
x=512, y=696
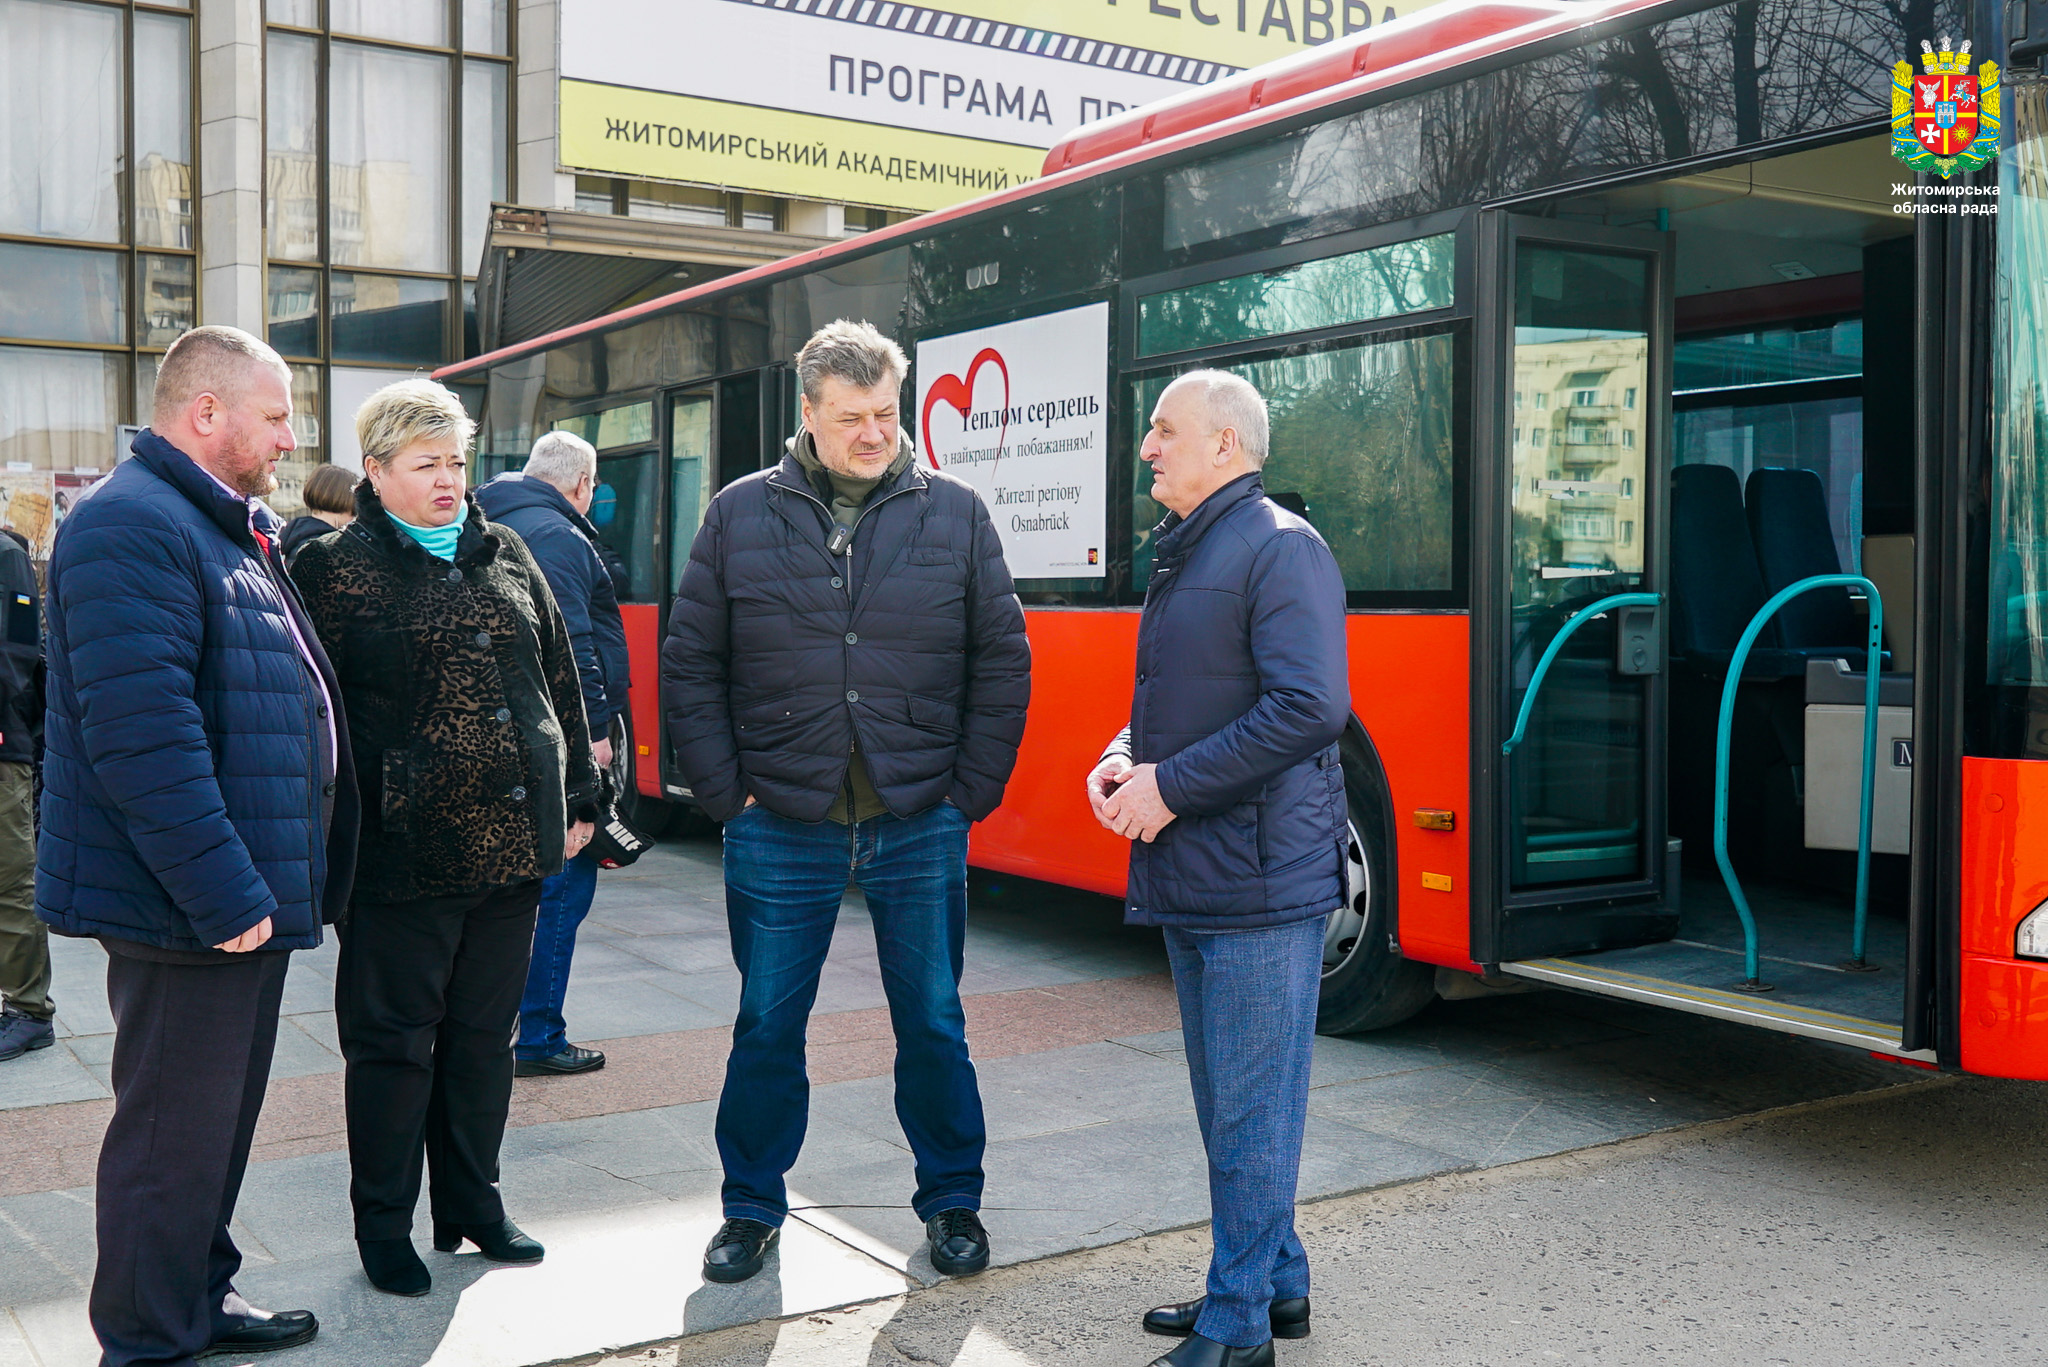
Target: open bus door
x=715, y=431
x=1569, y=695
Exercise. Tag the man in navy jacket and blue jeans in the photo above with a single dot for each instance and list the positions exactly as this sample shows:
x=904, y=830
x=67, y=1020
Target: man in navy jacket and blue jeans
x=845, y=678
x=199, y=819
x=1228, y=785
x=548, y=505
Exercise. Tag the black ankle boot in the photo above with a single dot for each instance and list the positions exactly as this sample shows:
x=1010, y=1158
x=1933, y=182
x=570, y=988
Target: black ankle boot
x=503, y=1242
x=393, y=1267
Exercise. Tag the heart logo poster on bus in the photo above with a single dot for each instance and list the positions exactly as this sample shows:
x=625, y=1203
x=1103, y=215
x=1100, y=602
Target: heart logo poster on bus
x=1020, y=411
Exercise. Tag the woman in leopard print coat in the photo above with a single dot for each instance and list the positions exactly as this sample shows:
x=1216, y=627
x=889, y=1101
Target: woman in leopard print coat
x=466, y=722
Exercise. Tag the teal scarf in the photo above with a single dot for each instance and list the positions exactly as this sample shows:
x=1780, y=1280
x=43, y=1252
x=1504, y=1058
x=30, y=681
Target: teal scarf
x=434, y=540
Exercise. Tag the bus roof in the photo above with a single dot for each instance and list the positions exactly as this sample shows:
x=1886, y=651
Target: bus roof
x=1446, y=35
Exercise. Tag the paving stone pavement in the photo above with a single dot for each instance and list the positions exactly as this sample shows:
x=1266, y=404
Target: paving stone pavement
x=1092, y=1136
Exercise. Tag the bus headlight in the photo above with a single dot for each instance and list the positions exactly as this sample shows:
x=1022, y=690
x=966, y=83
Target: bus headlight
x=2031, y=940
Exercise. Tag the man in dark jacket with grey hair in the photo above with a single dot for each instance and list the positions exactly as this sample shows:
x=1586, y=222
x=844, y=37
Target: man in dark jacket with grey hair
x=845, y=678
x=1228, y=785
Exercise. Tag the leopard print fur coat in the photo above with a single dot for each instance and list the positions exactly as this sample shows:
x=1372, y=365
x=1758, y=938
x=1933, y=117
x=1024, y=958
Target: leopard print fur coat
x=465, y=712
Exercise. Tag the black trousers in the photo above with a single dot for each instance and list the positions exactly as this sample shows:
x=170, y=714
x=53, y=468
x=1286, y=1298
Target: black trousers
x=192, y=1046
x=426, y=999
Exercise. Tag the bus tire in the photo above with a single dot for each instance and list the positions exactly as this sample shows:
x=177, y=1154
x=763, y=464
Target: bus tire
x=648, y=815
x=1367, y=984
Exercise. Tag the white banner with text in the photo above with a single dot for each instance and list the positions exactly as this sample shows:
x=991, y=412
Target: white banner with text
x=1021, y=412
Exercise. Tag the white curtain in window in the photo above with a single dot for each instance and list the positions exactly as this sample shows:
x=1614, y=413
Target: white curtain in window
x=58, y=409
x=60, y=158
x=388, y=158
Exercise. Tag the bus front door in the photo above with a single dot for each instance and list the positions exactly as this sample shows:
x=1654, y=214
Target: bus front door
x=1569, y=696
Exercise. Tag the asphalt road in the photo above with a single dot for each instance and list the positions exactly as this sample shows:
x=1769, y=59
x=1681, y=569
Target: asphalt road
x=1906, y=1226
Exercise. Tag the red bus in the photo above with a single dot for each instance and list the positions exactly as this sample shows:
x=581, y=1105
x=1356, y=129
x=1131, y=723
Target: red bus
x=1554, y=303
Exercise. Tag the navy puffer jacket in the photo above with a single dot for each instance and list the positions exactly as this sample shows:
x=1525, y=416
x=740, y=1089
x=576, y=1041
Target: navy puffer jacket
x=778, y=651
x=564, y=545
x=183, y=766
x=1241, y=698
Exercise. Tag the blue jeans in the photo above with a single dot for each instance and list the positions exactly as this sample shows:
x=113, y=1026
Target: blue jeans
x=1248, y=1015
x=784, y=881
x=564, y=902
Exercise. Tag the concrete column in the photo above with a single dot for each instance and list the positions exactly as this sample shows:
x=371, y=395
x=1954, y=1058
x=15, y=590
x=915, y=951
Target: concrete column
x=536, y=183
x=230, y=98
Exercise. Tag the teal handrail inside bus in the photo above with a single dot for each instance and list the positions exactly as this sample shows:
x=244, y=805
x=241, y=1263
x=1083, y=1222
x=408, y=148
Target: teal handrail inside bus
x=1872, y=660
x=1564, y=633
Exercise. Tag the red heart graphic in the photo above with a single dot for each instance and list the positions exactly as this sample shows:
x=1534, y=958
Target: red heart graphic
x=958, y=394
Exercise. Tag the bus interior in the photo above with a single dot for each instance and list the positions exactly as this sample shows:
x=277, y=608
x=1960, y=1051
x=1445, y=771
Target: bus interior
x=1790, y=394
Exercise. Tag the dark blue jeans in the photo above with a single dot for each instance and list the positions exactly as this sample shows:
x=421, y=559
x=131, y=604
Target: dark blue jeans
x=564, y=902
x=784, y=881
x=1248, y=1016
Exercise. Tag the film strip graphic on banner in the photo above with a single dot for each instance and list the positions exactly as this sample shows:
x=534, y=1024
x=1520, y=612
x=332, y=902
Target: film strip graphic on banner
x=991, y=33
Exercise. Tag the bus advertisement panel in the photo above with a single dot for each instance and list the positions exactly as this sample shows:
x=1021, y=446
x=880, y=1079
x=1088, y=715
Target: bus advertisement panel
x=1021, y=412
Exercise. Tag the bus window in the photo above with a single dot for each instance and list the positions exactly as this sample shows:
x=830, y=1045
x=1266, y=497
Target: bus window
x=1361, y=446
x=1358, y=287
x=1581, y=341
x=2018, y=617
x=692, y=472
x=1035, y=255
x=624, y=512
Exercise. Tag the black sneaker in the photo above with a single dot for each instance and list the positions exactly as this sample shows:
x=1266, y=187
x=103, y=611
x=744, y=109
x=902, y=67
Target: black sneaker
x=21, y=1032
x=958, y=1242
x=574, y=1059
x=737, y=1251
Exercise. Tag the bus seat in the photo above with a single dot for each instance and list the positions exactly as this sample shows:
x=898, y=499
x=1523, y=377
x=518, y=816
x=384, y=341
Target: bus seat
x=1788, y=524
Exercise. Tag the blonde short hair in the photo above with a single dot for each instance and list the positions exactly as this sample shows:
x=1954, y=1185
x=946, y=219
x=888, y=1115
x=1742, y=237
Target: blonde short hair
x=400, y=414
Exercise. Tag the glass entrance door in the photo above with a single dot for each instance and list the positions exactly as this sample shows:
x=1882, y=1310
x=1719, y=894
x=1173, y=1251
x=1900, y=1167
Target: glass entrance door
x=1580, y=403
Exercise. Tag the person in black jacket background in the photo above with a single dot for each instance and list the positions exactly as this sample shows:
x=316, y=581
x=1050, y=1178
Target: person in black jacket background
x=547, y=504
x=27, y=1015
x=845, y=679
x=1227, y=783
x=330, y=499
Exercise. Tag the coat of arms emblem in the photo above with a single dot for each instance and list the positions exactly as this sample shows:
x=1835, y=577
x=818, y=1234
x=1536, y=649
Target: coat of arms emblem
x=1945, y=119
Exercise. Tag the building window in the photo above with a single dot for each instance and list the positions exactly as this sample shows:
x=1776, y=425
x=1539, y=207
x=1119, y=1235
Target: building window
x=387, y=141
x=1628, y=437
x=1628, y=397
x=1536, y=437
x=1542, y=400
x=1585, y=398
x=681, y=204
x=97, y=266
x=1628, y=488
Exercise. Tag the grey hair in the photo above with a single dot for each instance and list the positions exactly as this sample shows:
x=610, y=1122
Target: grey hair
x=854, y=352
x=1232, y=401
x=562, y=459
x=400, y=414
x=210, y=360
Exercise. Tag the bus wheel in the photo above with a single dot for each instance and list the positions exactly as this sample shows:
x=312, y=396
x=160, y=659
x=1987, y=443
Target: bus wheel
x=1367, y=985
x=648, y=815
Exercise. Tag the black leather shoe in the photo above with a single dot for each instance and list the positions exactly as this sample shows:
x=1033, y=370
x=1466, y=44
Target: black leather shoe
x=503, y=1242
x=265, y=1331
x=392, y=1266
x=1289, y=1317
x=959, y=1244
x=574, y=1059
x=1201, y=1352
x=739, y=1248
